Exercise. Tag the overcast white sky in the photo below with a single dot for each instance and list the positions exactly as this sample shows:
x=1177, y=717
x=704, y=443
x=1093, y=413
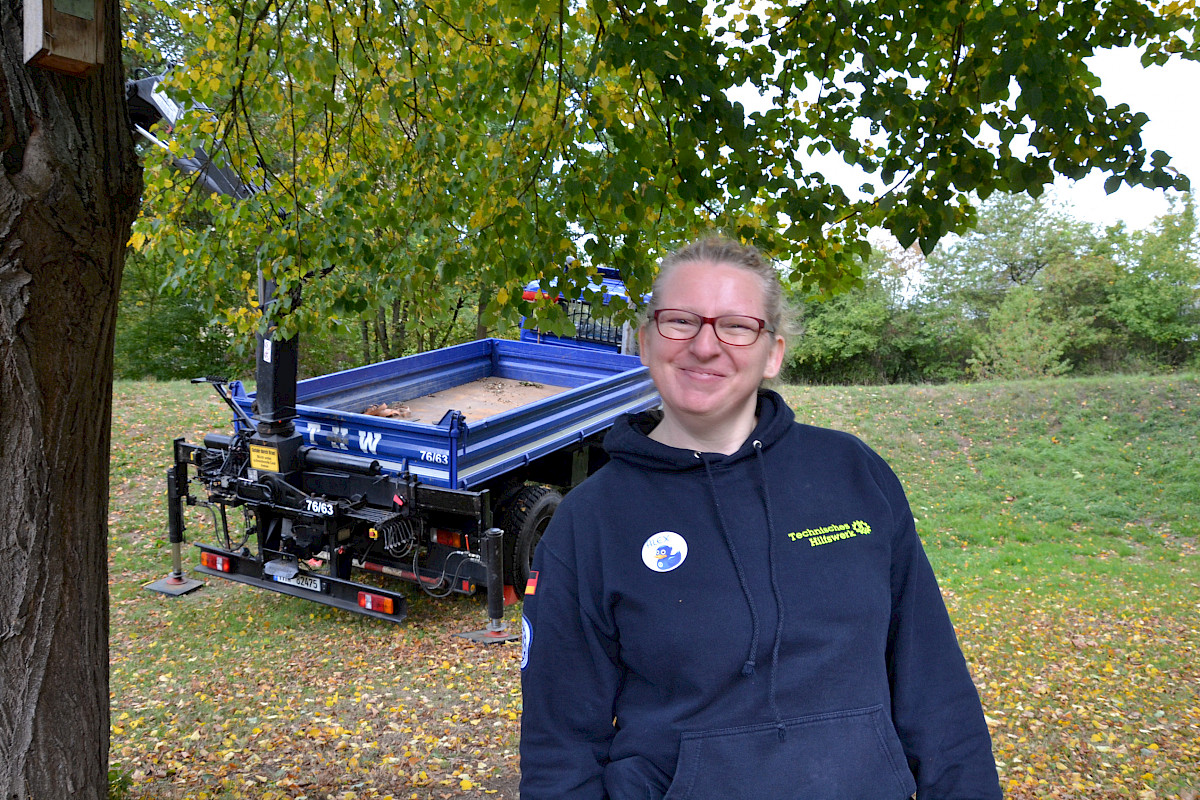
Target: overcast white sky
x=1170, y=96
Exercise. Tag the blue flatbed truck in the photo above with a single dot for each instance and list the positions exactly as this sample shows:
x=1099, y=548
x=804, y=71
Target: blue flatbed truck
x=477, y=439
x=450, y=489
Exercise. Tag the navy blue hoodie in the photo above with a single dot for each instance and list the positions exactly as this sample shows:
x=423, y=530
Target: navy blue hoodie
x=760, y=625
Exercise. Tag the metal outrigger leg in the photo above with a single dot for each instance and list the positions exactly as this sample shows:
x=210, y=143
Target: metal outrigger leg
x=493, y=554
x=175, y=583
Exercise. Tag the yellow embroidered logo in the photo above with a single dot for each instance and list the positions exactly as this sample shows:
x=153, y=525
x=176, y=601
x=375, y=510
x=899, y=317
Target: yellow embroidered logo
x=832, y=533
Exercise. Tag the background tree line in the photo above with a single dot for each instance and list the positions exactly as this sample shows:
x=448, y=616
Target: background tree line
x=1029, y=292
x=417, y=163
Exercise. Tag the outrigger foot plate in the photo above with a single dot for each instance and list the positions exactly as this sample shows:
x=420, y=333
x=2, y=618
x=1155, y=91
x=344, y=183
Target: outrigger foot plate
x=489, y=635
x=174, y=585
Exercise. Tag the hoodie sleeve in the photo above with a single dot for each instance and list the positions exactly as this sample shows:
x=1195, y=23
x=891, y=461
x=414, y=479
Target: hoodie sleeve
x=935, y=706
x=569, y=681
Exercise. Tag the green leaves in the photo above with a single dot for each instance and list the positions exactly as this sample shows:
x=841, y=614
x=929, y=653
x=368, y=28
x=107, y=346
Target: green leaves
x=504, y=137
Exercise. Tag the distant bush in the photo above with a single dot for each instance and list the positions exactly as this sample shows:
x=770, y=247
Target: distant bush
x=172, y=339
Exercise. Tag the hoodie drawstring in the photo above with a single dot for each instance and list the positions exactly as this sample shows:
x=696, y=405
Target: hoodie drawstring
x=775, y=590
x=749, y=666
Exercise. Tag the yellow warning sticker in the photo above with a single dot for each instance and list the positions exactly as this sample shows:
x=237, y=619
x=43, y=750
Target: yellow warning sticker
x=264, y=458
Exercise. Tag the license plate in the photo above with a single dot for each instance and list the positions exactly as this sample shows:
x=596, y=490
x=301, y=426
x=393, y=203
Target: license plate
x=302, y=581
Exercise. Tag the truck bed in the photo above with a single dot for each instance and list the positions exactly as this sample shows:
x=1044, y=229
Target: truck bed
x=479, y=399
x=476, y=410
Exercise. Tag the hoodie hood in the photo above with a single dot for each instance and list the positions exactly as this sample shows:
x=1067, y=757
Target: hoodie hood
x=629, y=440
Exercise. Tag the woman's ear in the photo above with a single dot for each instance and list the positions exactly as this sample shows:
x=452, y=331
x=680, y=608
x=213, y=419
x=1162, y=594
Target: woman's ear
x=775, y=359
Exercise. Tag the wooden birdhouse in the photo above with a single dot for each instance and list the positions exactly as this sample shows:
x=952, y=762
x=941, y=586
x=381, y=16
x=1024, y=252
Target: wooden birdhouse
x=66, y=36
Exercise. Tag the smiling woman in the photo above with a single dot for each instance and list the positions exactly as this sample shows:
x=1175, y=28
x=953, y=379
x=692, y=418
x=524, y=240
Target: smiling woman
x=737, y=605
x=708, y=384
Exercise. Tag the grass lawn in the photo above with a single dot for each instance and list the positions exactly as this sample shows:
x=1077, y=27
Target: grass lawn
x=1062, y=518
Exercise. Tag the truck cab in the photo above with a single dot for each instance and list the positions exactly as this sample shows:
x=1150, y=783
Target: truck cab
x=590, y=332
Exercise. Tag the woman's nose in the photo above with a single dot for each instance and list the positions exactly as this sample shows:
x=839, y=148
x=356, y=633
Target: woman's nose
x=705, y=342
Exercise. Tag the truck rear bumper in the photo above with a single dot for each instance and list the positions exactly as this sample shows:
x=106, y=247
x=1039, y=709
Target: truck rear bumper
x=319, y=588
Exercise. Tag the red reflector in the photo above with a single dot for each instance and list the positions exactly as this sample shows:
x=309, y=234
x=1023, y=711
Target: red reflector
x=449, y=538
x=214, y=561
x=376, y=602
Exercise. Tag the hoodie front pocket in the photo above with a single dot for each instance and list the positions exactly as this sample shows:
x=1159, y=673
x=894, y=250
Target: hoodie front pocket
x=847, y=755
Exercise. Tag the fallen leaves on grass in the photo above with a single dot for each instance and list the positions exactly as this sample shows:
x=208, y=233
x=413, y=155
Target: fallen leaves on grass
x=374, y=711
x=237, y=693
x=1084, y=703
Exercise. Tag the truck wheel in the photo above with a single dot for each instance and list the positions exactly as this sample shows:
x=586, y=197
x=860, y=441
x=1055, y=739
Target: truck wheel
x=524, y=521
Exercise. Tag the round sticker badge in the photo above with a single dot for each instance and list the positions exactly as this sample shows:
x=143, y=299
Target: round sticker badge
x=664, y=551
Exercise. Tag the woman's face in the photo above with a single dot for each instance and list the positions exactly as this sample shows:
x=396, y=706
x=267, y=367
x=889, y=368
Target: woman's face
x=703, y=380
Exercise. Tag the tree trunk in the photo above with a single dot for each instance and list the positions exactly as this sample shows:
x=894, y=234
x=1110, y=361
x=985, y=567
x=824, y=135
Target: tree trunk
x=381, y=332
x=397, y=327
x=402, y=329
x=481, y=331
x=69, y=191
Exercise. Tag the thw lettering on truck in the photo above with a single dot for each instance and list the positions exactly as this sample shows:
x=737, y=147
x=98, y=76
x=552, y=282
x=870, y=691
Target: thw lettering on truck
x=340, y=437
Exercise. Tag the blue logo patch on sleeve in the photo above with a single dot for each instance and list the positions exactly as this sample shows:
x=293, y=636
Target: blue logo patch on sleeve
x=526, y=640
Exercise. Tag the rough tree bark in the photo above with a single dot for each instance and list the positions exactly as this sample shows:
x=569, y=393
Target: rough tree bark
x=69, y=190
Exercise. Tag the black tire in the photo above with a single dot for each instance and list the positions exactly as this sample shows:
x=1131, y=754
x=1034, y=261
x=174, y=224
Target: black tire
x=524, y=521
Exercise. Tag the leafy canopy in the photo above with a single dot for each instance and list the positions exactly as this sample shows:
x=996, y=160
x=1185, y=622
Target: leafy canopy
x=402, y=148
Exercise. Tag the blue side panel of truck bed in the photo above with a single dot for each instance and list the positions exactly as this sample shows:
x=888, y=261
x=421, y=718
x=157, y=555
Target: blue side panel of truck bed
x=455, y=454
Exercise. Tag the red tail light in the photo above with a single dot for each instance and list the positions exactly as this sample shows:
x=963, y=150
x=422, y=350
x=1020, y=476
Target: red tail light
x=450, y=539
x=376, y=602
x=214, y=561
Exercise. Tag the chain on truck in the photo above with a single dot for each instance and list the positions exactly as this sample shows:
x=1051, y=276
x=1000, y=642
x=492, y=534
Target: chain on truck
x=393, y=470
